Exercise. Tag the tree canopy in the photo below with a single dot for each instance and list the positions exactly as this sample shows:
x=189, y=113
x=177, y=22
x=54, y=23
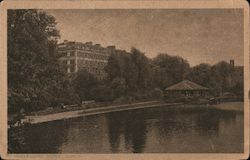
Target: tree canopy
x=169, y=70
x=34, y=74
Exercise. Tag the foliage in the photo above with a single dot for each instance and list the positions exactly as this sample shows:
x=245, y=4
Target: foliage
x=120, y=65
x=156, y=93
x=142, y=64
x=119, y=87
x=33, y=69
x=83, y=83
x=219, y=78
x=169, y=70
x=228, y=79
x=200, y=74
x=122, y=99
x=128, y=73
x=101, y=93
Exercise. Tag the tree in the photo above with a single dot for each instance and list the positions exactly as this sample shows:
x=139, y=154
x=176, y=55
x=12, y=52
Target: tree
x=219, y=78
x=113, y=67
x=130, y=72
x=120, y=65
x=142, y=64
x=169, y=70
x=156, y=93
x=222, y=73
x=133, y=67
x=83, y=83
x=119, y=87
x=32, y=61
x=201, y=74
x=101, y=93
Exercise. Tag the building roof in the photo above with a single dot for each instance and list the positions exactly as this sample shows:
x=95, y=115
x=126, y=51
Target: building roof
x=186, y=85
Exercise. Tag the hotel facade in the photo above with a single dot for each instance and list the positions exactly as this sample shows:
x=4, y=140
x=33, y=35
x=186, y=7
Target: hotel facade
x=91, y=57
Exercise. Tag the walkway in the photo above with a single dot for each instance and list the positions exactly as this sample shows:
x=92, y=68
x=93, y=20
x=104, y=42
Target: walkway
x=94, y=111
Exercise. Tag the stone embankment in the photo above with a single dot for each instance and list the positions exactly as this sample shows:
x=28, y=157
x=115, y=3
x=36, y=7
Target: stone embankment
x=34, y=119
x=93, y=111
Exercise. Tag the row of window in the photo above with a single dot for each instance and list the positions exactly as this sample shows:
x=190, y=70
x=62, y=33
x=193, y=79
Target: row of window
x=72, y=61
x=66, y=54
x=92, y=63
x=85, y=63
x=71, y=69
x=93, y=49
x=92, y=55
x=85, y=55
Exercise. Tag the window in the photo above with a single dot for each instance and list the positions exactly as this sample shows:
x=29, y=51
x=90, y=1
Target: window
x=64, y=54
x=72, y=53
x=72, y=68
x=72, y=61
x=79, y=62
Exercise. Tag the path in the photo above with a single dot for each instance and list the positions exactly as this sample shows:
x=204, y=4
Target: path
x=94, y=111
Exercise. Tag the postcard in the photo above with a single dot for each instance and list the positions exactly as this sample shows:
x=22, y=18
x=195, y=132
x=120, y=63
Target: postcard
x=124, y=79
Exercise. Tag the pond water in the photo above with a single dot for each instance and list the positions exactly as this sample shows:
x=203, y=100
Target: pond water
x=151, y=130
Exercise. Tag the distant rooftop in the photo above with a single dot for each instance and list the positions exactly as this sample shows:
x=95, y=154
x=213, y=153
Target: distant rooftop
x=186, y=85
x=73, y=44
x=66, y=42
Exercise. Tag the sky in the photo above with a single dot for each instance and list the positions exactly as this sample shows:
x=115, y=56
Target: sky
x=197, y=35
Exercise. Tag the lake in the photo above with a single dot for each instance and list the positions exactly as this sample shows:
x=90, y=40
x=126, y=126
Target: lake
x=152, y=130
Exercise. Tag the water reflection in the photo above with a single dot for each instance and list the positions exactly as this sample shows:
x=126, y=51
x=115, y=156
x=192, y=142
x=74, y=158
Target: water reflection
x=155, y=130
x=132, y=129
x=38, y=138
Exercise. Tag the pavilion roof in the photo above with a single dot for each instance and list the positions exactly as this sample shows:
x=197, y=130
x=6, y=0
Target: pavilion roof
x=186, y=85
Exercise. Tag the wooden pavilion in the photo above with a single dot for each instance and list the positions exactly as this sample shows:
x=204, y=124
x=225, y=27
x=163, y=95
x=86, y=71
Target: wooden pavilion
x=186, y=88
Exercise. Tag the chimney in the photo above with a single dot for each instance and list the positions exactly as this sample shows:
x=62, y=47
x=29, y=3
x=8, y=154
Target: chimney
x=232, y=63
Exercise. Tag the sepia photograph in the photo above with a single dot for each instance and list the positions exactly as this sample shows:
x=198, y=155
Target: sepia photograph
x=127, y=79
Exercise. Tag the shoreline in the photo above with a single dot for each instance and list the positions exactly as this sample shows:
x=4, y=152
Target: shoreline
x=93, y=111
x=36, y=119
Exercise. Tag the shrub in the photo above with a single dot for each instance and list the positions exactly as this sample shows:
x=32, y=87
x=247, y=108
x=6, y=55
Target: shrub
x=156, y=93
x=121, y=99
x=101, y=93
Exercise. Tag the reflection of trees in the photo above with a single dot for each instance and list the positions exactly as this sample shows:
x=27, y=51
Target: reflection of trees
x=16, y=140
x=208, y=121
x=187, y=119
x=174, y=121
x=135, y=134
x=204, y=121
x=132, y=126
x=40, y=138
x=114, y=127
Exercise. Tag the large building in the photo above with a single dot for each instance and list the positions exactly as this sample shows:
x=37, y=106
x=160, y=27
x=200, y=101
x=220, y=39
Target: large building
x=88, y=56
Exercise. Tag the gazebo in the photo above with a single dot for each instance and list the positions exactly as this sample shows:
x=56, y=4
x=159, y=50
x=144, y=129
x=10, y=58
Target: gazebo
x=186, y=88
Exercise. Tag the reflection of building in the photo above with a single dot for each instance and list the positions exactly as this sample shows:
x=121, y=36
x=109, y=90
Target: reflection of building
x=88, y=56
x=186, y=88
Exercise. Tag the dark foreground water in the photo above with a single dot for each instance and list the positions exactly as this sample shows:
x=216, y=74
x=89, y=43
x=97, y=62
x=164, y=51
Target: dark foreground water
x=154, y=130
